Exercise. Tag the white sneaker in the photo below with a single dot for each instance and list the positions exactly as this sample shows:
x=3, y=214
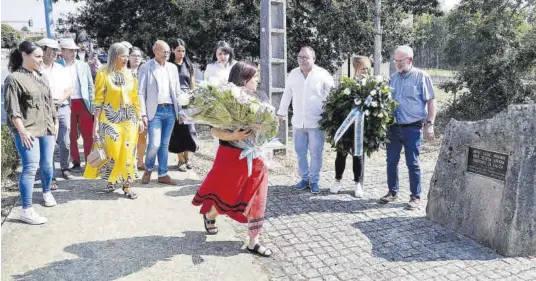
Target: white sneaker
x=31, y=217
x=336, y=187
x=359, y=190
x=49, y=199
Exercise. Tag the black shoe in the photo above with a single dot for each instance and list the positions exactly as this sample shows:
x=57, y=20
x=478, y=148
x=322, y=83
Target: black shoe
x=76, y=167
x=390, y=197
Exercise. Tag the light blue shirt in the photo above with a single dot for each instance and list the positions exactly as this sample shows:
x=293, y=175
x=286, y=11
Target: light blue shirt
x=411, y=91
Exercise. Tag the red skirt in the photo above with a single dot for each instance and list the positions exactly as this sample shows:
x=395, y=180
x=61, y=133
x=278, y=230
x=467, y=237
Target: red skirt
x=228, y=187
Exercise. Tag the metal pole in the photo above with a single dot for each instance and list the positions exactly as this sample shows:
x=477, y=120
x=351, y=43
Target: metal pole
x=49, y=19
x=377, y=37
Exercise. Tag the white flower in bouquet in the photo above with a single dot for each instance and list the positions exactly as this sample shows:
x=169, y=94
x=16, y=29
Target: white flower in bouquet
x=373, y=92
x=357, y=101
x=184, y=99
x=347, y=91
x=364, y=81
x=236, y=92
x=254, y=107
x=367, y=112
x=378, y=78
x=374, y=104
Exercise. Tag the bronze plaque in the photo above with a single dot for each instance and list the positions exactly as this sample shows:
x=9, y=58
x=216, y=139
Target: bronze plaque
x=487, y=163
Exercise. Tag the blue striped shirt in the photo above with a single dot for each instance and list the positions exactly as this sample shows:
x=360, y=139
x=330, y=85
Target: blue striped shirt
x=411, y=91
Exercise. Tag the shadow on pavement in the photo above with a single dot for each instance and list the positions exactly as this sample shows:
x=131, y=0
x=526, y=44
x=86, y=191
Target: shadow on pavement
x=287, y=201
x=188, y=187
x=416, y=239
x=113, y=259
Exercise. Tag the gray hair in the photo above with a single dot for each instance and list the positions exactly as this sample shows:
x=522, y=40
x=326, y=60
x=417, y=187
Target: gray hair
x=115, y=50
x=311, y=50
x=405, y=49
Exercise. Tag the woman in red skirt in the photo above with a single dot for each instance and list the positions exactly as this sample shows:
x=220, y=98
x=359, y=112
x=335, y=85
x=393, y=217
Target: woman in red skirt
x=228, y=189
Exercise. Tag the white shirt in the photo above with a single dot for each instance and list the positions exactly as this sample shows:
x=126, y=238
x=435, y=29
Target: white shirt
x=162, y=78
x=82, y=56
x=217, y=73
x=75, y=82
x=59, y=80
x=307, y=96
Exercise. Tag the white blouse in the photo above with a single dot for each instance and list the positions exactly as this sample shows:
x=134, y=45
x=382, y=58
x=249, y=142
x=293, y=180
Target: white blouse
x=217, y=73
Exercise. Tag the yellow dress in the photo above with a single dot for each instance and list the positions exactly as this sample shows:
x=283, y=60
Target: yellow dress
x=116, y=94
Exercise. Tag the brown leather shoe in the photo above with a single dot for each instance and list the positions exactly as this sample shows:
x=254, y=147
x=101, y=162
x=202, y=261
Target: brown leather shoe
x=166, y=180
x=146, y=177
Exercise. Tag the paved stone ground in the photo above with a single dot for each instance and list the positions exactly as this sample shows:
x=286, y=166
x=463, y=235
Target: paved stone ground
x=340, y=237
x=94, y=236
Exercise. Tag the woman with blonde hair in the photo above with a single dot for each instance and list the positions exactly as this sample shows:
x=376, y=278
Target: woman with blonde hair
x=362, y=67
x=117, y=121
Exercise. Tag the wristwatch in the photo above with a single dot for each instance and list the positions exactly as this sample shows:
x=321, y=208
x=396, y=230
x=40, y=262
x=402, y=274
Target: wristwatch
x=429, y=123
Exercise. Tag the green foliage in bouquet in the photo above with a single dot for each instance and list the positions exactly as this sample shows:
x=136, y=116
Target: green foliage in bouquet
x=230, y=107
x=371, y=95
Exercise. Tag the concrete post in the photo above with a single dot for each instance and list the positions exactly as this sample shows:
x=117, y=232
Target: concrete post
x=274, y=56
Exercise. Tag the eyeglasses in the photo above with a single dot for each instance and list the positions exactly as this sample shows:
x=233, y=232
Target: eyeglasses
x=400, y=61
x=165, y=52
x=135, y=56
x=303, y=58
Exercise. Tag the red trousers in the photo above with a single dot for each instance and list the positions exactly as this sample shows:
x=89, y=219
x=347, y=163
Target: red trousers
x=81, y=124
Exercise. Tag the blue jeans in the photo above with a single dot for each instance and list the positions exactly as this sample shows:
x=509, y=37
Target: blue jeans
x=309, y=140
x=410, y=138
x=40, y=155
x=159, y=131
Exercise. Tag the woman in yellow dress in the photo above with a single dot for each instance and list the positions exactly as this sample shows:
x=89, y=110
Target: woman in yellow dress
x=117, y=121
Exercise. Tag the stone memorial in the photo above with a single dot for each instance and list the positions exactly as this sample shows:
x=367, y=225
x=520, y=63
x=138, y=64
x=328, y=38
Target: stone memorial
x=484, y=184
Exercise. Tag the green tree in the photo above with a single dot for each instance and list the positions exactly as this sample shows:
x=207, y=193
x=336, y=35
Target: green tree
x=11, y=37
x=494, y=46
x=25, y=29
x=334, y=28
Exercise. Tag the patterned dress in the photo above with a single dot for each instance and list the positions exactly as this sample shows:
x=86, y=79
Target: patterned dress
x=116, y=95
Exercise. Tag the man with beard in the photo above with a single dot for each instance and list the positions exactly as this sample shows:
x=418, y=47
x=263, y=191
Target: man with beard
x=416, y=110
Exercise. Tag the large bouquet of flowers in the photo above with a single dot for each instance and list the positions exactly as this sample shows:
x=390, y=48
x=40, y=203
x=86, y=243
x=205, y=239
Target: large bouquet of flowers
x=231, y=107
x=366, y=97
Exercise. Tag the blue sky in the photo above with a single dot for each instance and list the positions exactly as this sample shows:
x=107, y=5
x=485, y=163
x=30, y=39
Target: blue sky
x=23, y=10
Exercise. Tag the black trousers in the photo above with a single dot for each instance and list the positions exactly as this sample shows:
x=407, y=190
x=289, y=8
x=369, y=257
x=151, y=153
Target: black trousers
x=340, y=165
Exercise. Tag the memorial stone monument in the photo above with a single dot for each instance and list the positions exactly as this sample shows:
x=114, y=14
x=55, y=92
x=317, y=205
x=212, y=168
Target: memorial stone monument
x=484, y=184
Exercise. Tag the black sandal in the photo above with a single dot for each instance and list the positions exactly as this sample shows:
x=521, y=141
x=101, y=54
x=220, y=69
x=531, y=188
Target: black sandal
x=129, y=194
x=210, y=230
x=255, y=251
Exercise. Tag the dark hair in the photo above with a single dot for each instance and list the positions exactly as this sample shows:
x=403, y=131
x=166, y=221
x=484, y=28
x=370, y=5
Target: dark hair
x=134, y=48
x=81, y=36
x=15, y=58
x=226, y=48
x=242, y=72
x=176, y=43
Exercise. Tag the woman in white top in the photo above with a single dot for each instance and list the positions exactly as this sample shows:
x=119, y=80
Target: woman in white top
x=218, y=71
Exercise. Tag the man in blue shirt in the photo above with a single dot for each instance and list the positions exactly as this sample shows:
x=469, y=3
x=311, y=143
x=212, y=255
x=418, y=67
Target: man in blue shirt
x=416, y=110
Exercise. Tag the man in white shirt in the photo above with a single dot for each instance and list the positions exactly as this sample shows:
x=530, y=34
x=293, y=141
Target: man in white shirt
x=307, y=87
x=60, y=87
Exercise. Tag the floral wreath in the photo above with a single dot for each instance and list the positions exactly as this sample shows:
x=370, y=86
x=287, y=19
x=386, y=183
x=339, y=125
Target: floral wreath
x=368, y=98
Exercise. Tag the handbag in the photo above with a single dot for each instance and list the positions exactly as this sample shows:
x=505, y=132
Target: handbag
x=97, y=156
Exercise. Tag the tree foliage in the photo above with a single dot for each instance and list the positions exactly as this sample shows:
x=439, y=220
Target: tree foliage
x=494, y=45
x=334, y=29
x=11, y=37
